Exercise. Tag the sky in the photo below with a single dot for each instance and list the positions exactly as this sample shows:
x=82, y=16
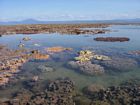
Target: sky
x=59, y=10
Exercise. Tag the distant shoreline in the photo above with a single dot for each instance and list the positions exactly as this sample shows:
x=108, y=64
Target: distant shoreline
x=58, y=28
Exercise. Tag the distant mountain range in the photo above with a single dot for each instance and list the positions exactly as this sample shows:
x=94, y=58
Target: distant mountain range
x=33, y=21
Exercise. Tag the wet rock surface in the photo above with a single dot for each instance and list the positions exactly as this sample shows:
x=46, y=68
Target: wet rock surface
x=58, y=92
x=121, y=95
x=112, y=39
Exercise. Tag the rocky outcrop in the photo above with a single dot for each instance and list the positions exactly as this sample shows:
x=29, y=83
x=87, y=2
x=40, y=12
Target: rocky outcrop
x=53, y=28
x=112, y=39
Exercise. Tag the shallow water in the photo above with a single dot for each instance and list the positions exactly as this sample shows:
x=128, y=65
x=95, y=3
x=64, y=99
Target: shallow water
x=77, y=42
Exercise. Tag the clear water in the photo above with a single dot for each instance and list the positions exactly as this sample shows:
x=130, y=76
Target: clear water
x=77, y=42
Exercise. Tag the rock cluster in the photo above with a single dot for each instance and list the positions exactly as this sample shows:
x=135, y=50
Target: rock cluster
x=121, y=95
x=10, y=63
x=80, y=31
x=8, y=68
x=84, y=63
x=12, y=60
x=53, y=28
x=86, y=67
x=59, y=92
x=112, y=39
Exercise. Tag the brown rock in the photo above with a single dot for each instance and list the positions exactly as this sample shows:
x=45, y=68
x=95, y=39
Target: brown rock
x=112, y=39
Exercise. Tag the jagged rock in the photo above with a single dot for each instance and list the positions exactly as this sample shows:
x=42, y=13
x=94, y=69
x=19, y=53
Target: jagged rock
x=121, y=95
x=59, y=92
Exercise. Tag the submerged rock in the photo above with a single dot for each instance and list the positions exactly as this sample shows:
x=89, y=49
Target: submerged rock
x=26, y=38
x=91, y=89
x=120, y=63
x=112, y=39
x=137, y=52
x=35, y=78
x=86, y=67
x=45, y=68
x=121, y=95
x=21, y=45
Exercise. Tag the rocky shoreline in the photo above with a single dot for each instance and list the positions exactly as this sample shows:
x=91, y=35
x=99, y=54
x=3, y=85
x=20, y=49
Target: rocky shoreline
x=54, y=28
x=12, y=60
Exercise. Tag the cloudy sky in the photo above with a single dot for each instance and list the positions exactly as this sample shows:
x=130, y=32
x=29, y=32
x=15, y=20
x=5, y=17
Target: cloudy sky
x=68, y=9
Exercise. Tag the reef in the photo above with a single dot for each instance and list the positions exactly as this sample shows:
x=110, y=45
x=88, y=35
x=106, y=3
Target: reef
x=112, y=39
x=10, y=63
x=53, y=28
x=119, y=95
x=58, y=92
x=86, y=67
x=120, y=64
x=12, y=60
x=83, y=62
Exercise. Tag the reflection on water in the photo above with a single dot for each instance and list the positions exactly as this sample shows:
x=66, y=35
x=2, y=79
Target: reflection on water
x=117, y=50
